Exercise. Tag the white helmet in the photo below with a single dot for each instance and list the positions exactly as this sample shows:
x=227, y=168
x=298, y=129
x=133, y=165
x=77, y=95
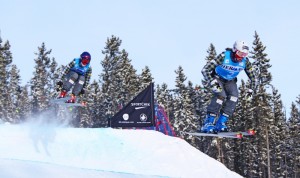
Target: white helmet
x=241, y=46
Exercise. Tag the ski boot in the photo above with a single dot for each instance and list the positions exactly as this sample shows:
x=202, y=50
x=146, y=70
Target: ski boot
x=221, y=123
x=62, y=94
x=72, y=99
x=208, y=126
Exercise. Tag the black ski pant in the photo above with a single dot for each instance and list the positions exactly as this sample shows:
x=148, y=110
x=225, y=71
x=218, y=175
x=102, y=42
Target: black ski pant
x=226, y=100
x=73, y=79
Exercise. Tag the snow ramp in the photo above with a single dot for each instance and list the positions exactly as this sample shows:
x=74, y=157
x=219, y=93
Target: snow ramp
x=53, y=151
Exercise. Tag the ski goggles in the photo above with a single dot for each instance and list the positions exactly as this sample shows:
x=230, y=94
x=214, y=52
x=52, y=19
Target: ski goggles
x=241, y=54
x=85, y=60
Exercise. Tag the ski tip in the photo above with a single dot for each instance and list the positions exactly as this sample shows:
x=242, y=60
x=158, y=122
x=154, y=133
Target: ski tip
x=251, y=131
x=239, y=135
x=84, y=103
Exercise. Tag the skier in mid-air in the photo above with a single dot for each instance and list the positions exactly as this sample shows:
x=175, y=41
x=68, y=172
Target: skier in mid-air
x=76, y=74
x=221, y=73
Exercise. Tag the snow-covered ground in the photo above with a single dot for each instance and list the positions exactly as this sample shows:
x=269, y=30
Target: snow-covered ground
x=35, y=150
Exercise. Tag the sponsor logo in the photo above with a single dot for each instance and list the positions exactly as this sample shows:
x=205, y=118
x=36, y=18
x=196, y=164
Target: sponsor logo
x=232, y=68
x=81, y=82
x=125, y=116
x=245, y=47
x=140, y=105
x=143, y=117
x=137, y=108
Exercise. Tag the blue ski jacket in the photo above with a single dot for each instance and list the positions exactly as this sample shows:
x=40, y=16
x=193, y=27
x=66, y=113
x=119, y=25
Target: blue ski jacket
x=226, y=68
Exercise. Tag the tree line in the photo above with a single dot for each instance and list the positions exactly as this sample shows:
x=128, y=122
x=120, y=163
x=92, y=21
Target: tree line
x=273, y=152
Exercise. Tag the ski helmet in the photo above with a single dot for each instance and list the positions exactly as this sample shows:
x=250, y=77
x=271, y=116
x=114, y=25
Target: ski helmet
x=241, y=49
x=85, y=58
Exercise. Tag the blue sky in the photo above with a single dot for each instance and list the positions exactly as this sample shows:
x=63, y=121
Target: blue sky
x=161, y=34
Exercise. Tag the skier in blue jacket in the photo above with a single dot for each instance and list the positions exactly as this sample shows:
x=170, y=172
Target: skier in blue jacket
x=221, y=73
x=77, y=74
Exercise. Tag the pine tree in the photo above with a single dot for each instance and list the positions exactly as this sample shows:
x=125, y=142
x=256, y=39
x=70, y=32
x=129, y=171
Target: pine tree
x=195, y=98
x=14, y=90
x=278, y=135
x=184, y=116
x=24, y=106
x=179, y=115
x=298, y=101
x=53, y=77
x=97, y=106
x=110, y=62
x=263, y=112
x=145, y=78
x=164, y=98
x=261, y=63
x=85, y=120
x=40, y=81
x=293, y=143
x=108, y=77
x=5, y=61
x=127, y=80
x=120, y=82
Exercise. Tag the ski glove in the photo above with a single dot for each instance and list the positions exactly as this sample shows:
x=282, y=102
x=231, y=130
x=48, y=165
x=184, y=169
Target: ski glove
x=59, y=85
x=249, y=95
x=215, y=86
x=82, y=91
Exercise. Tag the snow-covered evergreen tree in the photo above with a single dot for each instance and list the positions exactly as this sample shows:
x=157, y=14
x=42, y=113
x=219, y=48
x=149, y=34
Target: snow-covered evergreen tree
x=263, y=119
x=14, y=89
x=165, y=99
x=184, y=117
x=128, y=81
x=120, y=82
x=145, y=78
x=97, y=105
x=109, y=75
x=53, y=77
x=5, y=61
x=293, y=142
x=40, y=82
x=261, y=62
x=24, y=108
x=277, y=136
x=85, y=120
x=110, y=62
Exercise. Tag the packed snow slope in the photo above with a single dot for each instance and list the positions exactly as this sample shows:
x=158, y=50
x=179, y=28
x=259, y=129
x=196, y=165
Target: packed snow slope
x=46, y=150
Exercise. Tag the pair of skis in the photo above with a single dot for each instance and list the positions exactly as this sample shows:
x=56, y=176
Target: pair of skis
x=62, y=101
x=238, y=135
